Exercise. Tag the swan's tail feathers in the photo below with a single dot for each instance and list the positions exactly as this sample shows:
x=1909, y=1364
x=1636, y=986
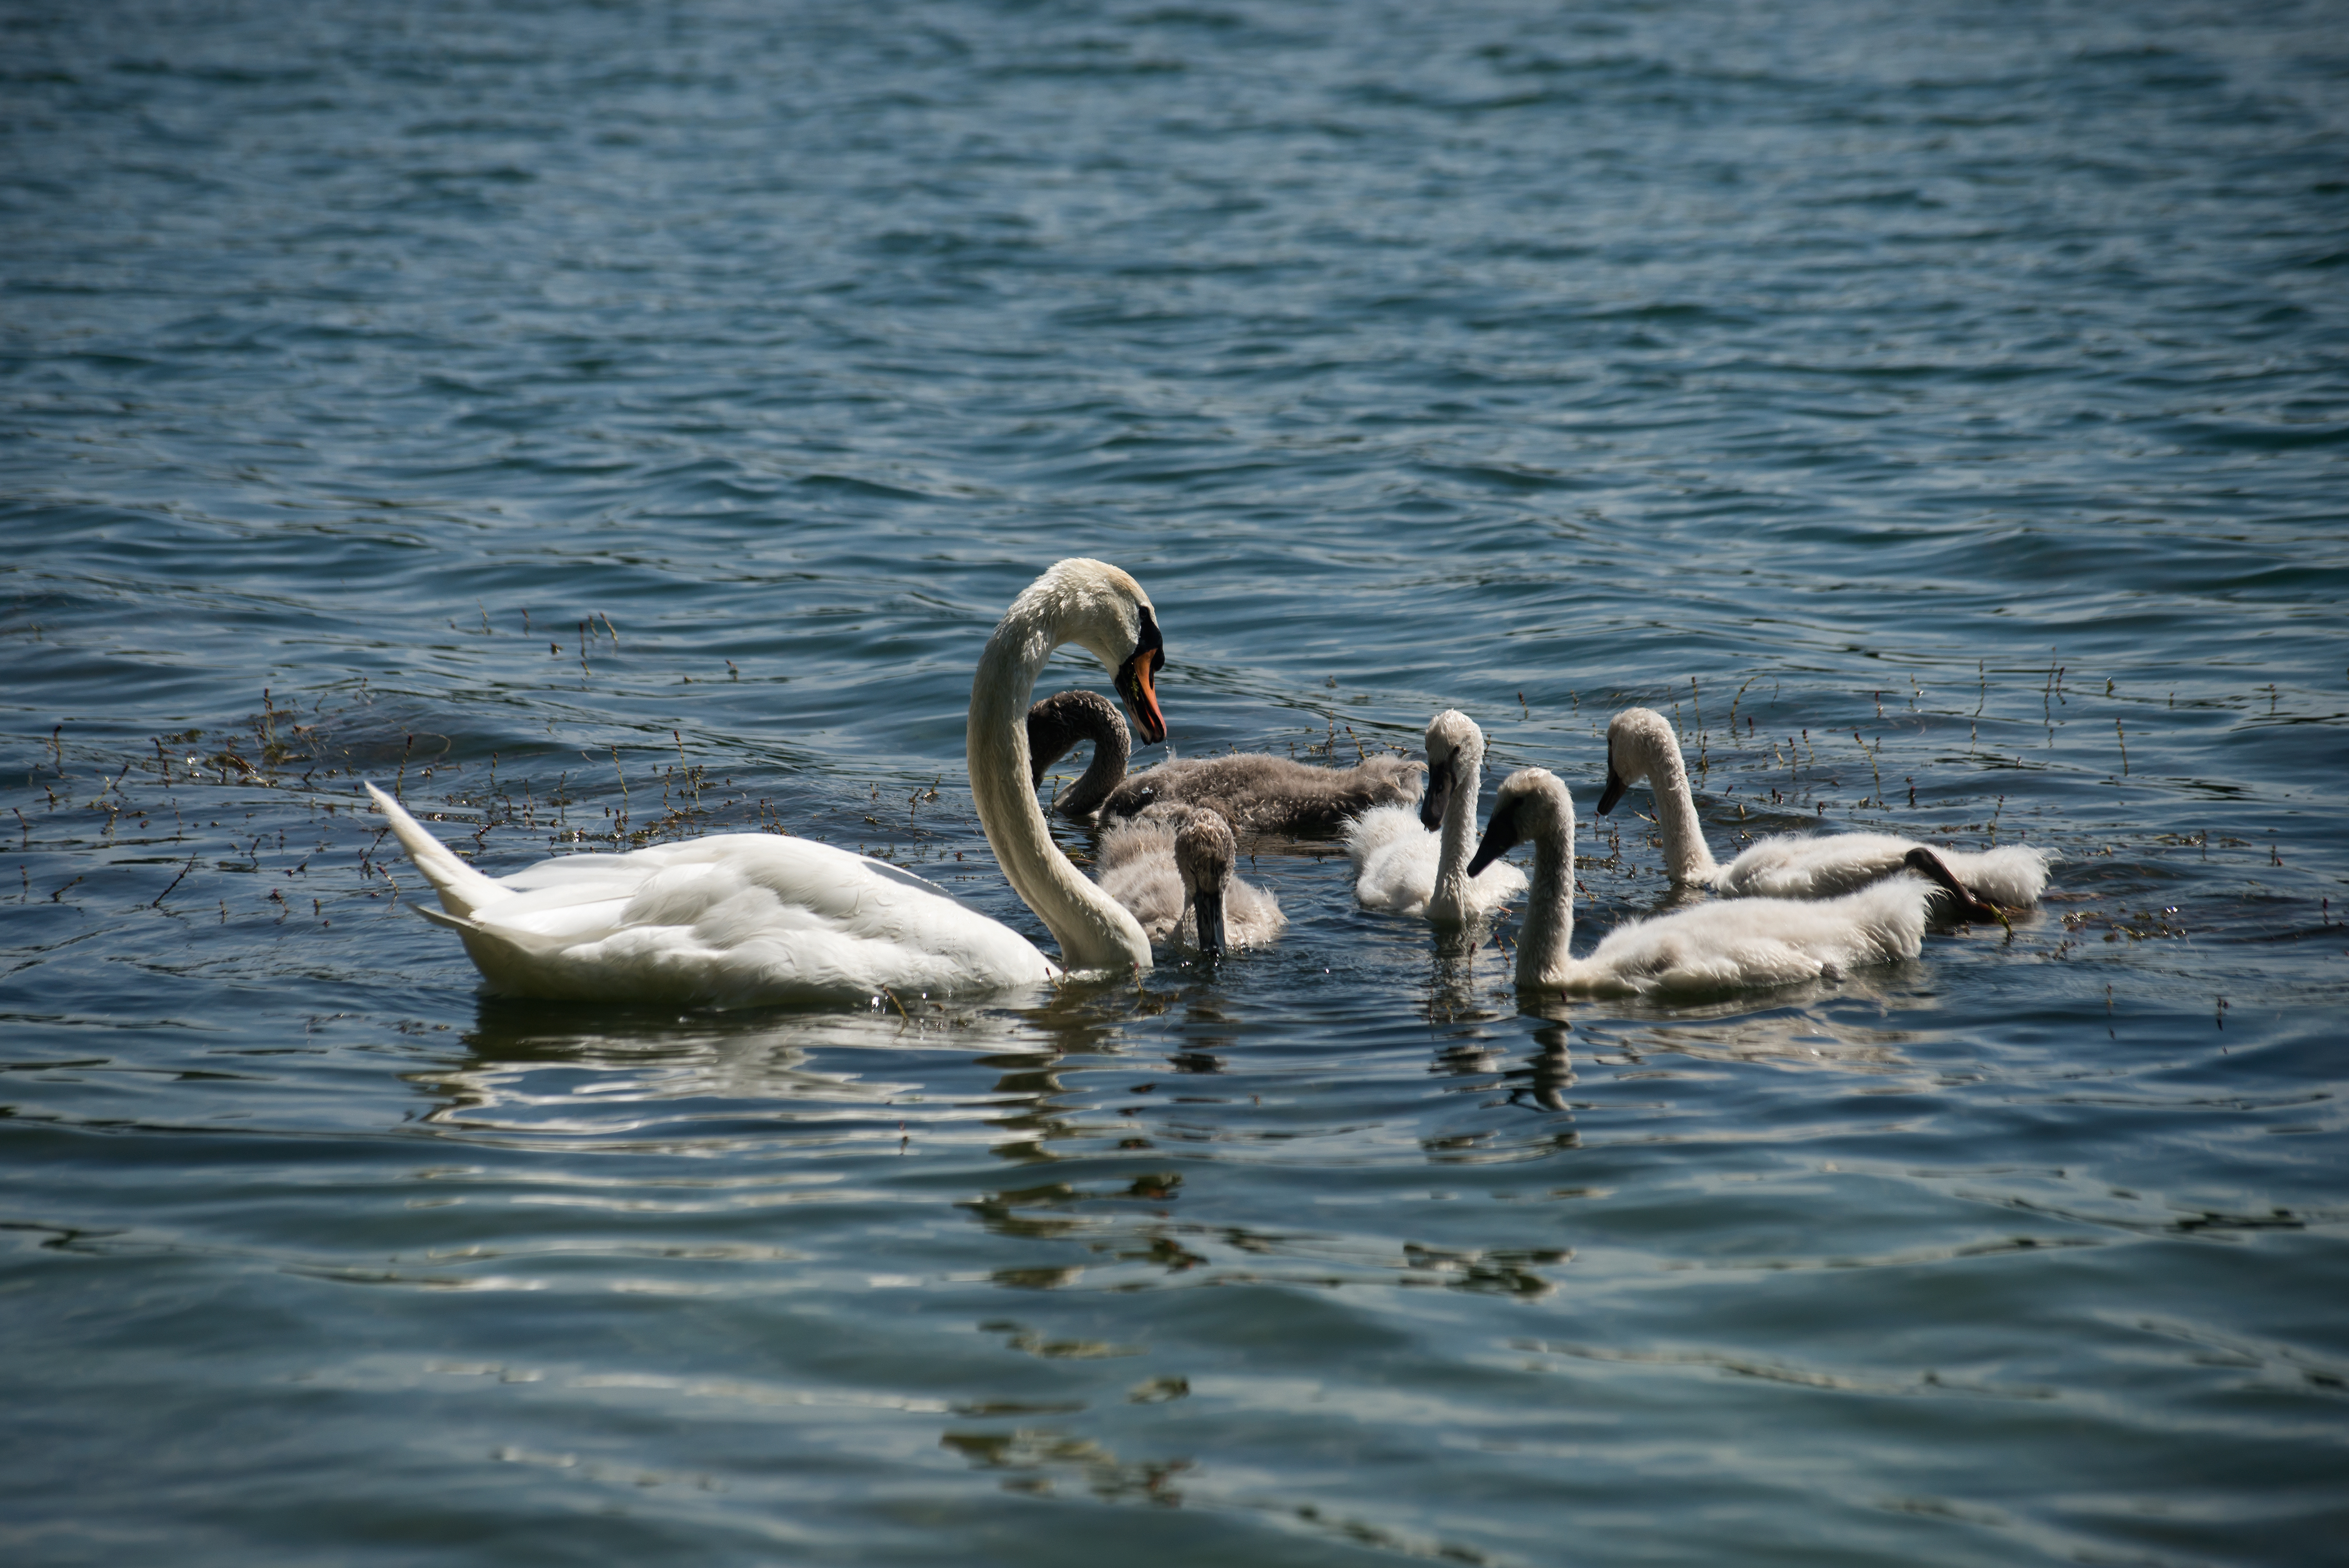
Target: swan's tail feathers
x=462, y=888
x=498, y=938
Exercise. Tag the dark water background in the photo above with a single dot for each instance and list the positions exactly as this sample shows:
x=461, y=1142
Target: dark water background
x=1956, y=390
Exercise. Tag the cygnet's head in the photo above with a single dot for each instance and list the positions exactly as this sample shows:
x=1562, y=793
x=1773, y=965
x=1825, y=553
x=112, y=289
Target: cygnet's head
x=1205, y=854
x=1637, y=741
x=1061, y=723
x=1968, y=905
x=1532, y=806
x=1454, y=744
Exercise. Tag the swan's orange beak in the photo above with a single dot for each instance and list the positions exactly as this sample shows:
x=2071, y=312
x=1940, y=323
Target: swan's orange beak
x=1137, y=678
x=1136, y=683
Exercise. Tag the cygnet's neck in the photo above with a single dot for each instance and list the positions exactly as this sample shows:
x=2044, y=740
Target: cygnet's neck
x=1093, y=931
x=1548, y=929
x=1687, y=858
x=1112, y=750
x=1449, y=900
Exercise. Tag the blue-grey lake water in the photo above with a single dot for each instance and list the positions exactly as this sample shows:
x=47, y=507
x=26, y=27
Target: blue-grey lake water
x=621, y=421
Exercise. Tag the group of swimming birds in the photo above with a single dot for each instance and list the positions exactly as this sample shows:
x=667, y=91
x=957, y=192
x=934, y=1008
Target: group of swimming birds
x=740, y=918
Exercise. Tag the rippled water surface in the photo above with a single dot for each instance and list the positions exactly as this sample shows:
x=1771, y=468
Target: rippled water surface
x=609, y=419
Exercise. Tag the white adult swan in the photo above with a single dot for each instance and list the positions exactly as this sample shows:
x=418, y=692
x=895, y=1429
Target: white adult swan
x=1171, y=868
x=1641, y=749
x=739, y=919
x=1252, y=790
x=1729, y=947
x=1403, y=861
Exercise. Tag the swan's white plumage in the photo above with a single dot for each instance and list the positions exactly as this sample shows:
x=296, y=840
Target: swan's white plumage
x=747, y=918
x=1400, y=865
x=1139, y=865
x=1396, y=862
x=726, y=920
x=1747, y=944
x=1642, y=748
x=1753, y=942
x=1795, y=865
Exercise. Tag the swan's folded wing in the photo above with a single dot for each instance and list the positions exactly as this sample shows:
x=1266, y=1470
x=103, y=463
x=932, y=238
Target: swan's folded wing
x=1680, y=956
x=1750, y=943
x=1881, y=921
x=739, y=919
x=1824, y=865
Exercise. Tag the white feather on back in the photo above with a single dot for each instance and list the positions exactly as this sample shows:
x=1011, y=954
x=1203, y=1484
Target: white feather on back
x=1794, y=865
x=1395, y=861
x=1753, y=942
x=738, y=919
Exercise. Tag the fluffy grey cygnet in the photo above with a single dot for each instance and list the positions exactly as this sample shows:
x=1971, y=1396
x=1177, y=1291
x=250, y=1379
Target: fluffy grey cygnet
x=1254, y=792
x=1172, y=866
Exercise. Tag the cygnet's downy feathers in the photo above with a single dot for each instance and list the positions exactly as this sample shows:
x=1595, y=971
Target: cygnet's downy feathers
x=1416, y=862
x=1254, y=792
x=1642, y=748
x=1173, y=868
x=1740, y=944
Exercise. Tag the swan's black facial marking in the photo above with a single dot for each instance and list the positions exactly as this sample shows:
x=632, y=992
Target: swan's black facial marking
x=1135, y=679
x=1438, y=795
x=1614, y=790
x=1500, y=837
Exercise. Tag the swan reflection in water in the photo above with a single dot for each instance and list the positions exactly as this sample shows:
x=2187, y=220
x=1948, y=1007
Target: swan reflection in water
x=536, y=1069
x=1822, y=1024
x=1547, y=1074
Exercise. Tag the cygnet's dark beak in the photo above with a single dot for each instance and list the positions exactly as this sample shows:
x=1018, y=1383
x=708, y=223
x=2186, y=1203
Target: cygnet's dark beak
x=1137, y=677
x=1207, y=904
x=1500, y=837
x=1931, y=867
x=1613, y=792
x=1438, y=793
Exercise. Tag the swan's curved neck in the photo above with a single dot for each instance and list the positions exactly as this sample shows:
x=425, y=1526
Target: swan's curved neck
x=1092, y=931
x=1449, y=900
x=1548, y=929
x=1686, y=857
